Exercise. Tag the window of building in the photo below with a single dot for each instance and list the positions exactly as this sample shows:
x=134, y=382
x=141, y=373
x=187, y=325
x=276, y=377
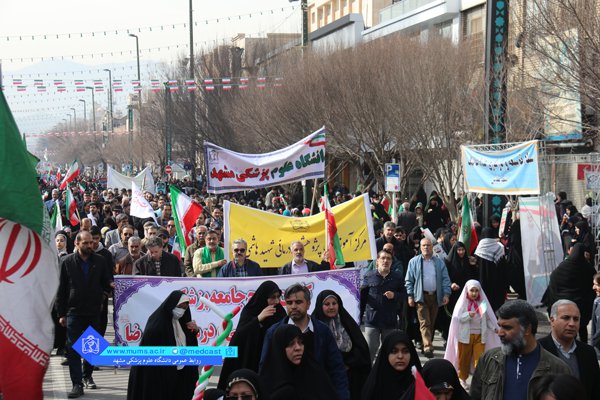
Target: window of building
x=474, y=23
x=444, y=29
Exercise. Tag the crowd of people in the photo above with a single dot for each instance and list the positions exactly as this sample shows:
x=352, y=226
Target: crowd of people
x=422, y=281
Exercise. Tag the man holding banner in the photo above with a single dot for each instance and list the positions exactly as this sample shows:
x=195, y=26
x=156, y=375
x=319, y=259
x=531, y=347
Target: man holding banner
x=299, y=264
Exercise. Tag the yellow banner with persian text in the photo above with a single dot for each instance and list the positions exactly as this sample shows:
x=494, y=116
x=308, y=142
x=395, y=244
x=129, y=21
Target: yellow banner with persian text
x=269, y=235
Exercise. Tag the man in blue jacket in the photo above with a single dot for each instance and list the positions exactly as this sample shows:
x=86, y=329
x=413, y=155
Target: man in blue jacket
x=317, y=338
x=428, y=288
x=381, y=293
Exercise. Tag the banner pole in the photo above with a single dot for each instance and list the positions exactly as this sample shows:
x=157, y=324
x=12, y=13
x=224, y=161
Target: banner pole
x=312, y=202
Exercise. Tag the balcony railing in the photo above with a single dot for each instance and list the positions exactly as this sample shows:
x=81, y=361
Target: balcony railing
x=401, y=8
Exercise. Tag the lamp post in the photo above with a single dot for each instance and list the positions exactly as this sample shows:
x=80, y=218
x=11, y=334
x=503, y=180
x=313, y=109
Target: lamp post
x=110, y=99
x=84, y=114
x=65, y=127
x=74, y=118
x=93, y=110
x=70, y=122
x=137, y=49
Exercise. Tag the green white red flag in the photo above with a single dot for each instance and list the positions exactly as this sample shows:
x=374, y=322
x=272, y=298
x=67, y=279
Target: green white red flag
x=71, y=174
x=71, y=207
x=334, y=247
x=421, y=390
x=467, y=234
x=185, y=213
x=56, y=218
x=28, y=270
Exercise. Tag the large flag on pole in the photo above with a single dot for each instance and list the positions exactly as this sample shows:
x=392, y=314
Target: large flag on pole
x=139, y=205
x=71, y=174
x=28, y=270
x=334, y=248
x=185, y=214
x=467, y=234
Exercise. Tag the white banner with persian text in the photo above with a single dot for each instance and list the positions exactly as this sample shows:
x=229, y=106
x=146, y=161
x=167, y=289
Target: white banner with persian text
x=229, y=171
x=136, y=297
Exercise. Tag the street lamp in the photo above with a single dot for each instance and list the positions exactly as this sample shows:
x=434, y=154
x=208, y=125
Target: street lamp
x=74, y=118
x=84, y=114
x=93, y=110
x=70, y=121
x=65, y=127
x=137, y=49
x=110, y=99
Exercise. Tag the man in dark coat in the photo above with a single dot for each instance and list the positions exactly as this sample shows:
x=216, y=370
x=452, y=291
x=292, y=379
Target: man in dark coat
x=157, y=262
x=299, y=264
x=580, y=357
x=110, y=264
x=84, y=279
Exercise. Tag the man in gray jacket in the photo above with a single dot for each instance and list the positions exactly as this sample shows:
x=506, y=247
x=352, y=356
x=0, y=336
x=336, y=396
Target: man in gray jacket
x=428, y=288
x=511, y=371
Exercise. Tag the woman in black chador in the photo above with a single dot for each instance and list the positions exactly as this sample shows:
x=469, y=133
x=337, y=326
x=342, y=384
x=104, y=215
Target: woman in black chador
x=169, y=325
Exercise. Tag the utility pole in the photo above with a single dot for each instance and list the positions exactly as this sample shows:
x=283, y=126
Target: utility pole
x=139, y=94
x=110, y=99
x=74, y=118
x=192, y=93
x=93, y=110
x=84, y=114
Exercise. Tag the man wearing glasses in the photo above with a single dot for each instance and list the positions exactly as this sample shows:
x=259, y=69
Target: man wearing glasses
x=241, y=266
x=121, y=249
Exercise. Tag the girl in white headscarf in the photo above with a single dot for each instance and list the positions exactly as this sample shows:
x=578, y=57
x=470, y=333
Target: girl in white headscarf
x=472, y=330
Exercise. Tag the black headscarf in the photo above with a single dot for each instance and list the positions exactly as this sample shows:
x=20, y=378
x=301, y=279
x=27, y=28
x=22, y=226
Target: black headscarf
x=249, y=333
x=149, y=383
x=385, y=382
x=284, y=380
x=358, y=359
x=459, y=269
x=248, y=376
x=571, y=281
x=585, y=237
x=441, y=374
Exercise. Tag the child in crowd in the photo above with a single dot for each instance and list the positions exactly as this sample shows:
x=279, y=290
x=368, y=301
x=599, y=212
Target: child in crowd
x=472, y=330
x=596, y=317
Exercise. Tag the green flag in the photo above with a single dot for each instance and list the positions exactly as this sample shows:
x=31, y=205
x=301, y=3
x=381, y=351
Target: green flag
x=21, y=201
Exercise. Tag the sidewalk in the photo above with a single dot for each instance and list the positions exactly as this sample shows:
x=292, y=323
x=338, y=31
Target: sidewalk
x=112, y=382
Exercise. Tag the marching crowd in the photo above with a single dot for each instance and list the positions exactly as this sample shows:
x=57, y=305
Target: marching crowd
x=419, y=284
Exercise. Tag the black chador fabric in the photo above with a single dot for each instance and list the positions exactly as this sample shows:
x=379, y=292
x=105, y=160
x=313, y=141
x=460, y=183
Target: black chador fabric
x=516, y=271
x=571, y=280
x=493, y=270
x=384, y=381
x=358, y=359
x=249, y=333
x=441, y=374
x=286, y=381
x=159, y=383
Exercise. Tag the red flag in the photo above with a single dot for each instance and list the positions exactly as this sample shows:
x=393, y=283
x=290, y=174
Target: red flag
x=421, y=391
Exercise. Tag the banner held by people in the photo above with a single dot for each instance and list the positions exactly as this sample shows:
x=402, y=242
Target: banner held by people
x=269, y=235
x=144, y=180
x=509, y=171
x=229, y=171
x=28, y=270
x=136, y=297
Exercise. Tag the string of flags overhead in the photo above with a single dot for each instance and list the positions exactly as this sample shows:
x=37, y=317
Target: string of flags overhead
x=127, y=31
x=155, y=85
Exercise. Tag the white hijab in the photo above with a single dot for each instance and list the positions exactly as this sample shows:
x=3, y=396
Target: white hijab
x=491, y=340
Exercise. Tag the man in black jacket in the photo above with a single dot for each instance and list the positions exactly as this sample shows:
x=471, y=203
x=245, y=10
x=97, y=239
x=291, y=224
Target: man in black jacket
x=579, y=356
x=84, y=279
x=157, y=262
x=299, y=264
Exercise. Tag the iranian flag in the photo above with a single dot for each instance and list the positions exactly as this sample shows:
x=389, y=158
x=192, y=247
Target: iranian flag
x=317, y=139
x=28, y=270
x=336, y=258
x=58, y=176
x=185, y=214
x=71, y=174
x=421, y=390
x=56, y=219
x=467, y=234
x=71, y=208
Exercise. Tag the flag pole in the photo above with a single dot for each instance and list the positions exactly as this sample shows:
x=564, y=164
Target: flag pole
x=312, y=202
